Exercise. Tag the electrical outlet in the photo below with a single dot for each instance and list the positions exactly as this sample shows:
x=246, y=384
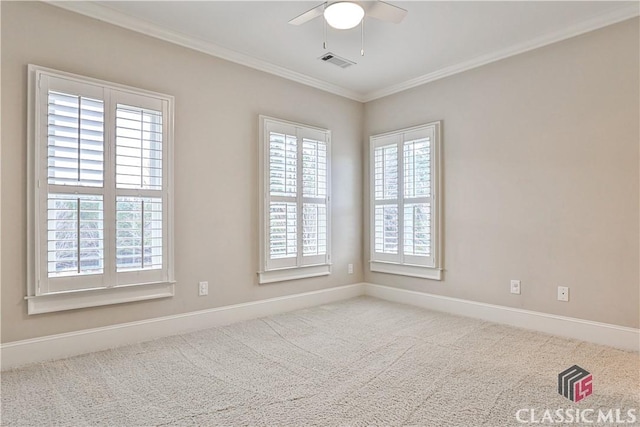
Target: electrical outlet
x=515, y=287
x=350, y=269
x=203, y=288
x=563, y=293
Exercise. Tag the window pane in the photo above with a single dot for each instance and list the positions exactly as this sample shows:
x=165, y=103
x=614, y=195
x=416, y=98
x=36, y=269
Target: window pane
x=75, y=236
x=417, y=229
x=417, y=168
x=138, y=233
x=386, y=229
x=314, y=168
x=314, y=229
x=75, y=147
x=283, y=169
x=386, y=172
x=138, y=148
x=283, y=230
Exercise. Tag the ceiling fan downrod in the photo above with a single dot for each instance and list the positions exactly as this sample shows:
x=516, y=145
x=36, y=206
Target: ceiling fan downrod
x=324, y=32
x=362, y=38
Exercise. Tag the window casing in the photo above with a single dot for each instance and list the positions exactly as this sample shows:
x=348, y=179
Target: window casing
x=295, y=209
x=100, y=204
x=405, y=208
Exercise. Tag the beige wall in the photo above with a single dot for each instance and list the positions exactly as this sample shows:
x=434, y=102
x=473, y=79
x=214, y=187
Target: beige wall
x=540, y=176
x=216, y=133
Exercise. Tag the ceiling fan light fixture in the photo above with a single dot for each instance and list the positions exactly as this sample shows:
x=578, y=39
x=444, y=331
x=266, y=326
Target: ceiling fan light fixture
x=343, y=15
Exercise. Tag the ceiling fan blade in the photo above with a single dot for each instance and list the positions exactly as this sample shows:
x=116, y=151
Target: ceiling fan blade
x=385, y=11
x=308, y=15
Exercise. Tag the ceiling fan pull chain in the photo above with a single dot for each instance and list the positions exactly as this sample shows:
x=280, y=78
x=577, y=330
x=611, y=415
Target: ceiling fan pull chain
x=362, y=38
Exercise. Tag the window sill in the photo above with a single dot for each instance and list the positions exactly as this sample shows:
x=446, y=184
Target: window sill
x=96, y=297
x=406, y=270
x=293, y=273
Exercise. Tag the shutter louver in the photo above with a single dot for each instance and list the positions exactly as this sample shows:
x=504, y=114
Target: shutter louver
x=386, y=172
x=386, y=229
x=75, y=235
x=417, y=229
x=138, y=233
x=417, y=169
x=314, y=229
x=283, y=165
x=75, y=140
x=314, y=168
x=138, y=148
x=283, y=230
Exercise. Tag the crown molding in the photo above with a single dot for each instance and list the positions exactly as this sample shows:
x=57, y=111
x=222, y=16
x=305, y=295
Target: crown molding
x=111, y=16
x=596, y=22
x=106, y=14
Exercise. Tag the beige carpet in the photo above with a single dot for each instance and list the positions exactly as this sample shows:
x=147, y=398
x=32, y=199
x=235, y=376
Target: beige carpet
x=358, y=362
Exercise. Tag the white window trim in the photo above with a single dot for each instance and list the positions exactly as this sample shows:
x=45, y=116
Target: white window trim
x=58, y=301
x=406, y=270
x=266, y=275
x=376, y=264
x=98, y=297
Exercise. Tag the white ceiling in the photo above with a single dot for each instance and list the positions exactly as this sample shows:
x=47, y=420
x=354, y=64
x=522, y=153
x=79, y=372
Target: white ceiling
x=434, y=40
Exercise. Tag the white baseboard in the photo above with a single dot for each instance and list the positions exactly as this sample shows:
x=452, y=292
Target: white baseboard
x=18, y=353
x=600, y=333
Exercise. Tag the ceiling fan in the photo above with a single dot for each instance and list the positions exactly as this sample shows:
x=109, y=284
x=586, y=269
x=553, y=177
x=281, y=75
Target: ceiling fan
x=344, y=15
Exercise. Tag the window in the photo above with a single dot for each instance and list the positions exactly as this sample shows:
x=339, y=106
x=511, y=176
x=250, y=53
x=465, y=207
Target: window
x=100, y=159
x=405, y=202
x=295, y=232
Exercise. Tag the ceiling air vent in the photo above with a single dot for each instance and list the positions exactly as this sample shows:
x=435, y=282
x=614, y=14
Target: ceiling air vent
x=336, y=60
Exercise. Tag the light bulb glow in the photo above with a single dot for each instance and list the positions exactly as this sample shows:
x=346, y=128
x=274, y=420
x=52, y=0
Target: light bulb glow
x=343, y=15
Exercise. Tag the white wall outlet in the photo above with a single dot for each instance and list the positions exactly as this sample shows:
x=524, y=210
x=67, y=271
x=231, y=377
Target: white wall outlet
x=203, y=288
x=563, y=293
x=515, y=287
x=350, y=269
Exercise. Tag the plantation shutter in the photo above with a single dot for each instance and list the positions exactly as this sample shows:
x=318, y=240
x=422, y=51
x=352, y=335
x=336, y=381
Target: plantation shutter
x=386, y=200
x=314, y=200
x=417, y=201
x=402, y=193
x=283, y=197
x=101, y=159
x=71, y=205
x=296, y=196
x=140, y=189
